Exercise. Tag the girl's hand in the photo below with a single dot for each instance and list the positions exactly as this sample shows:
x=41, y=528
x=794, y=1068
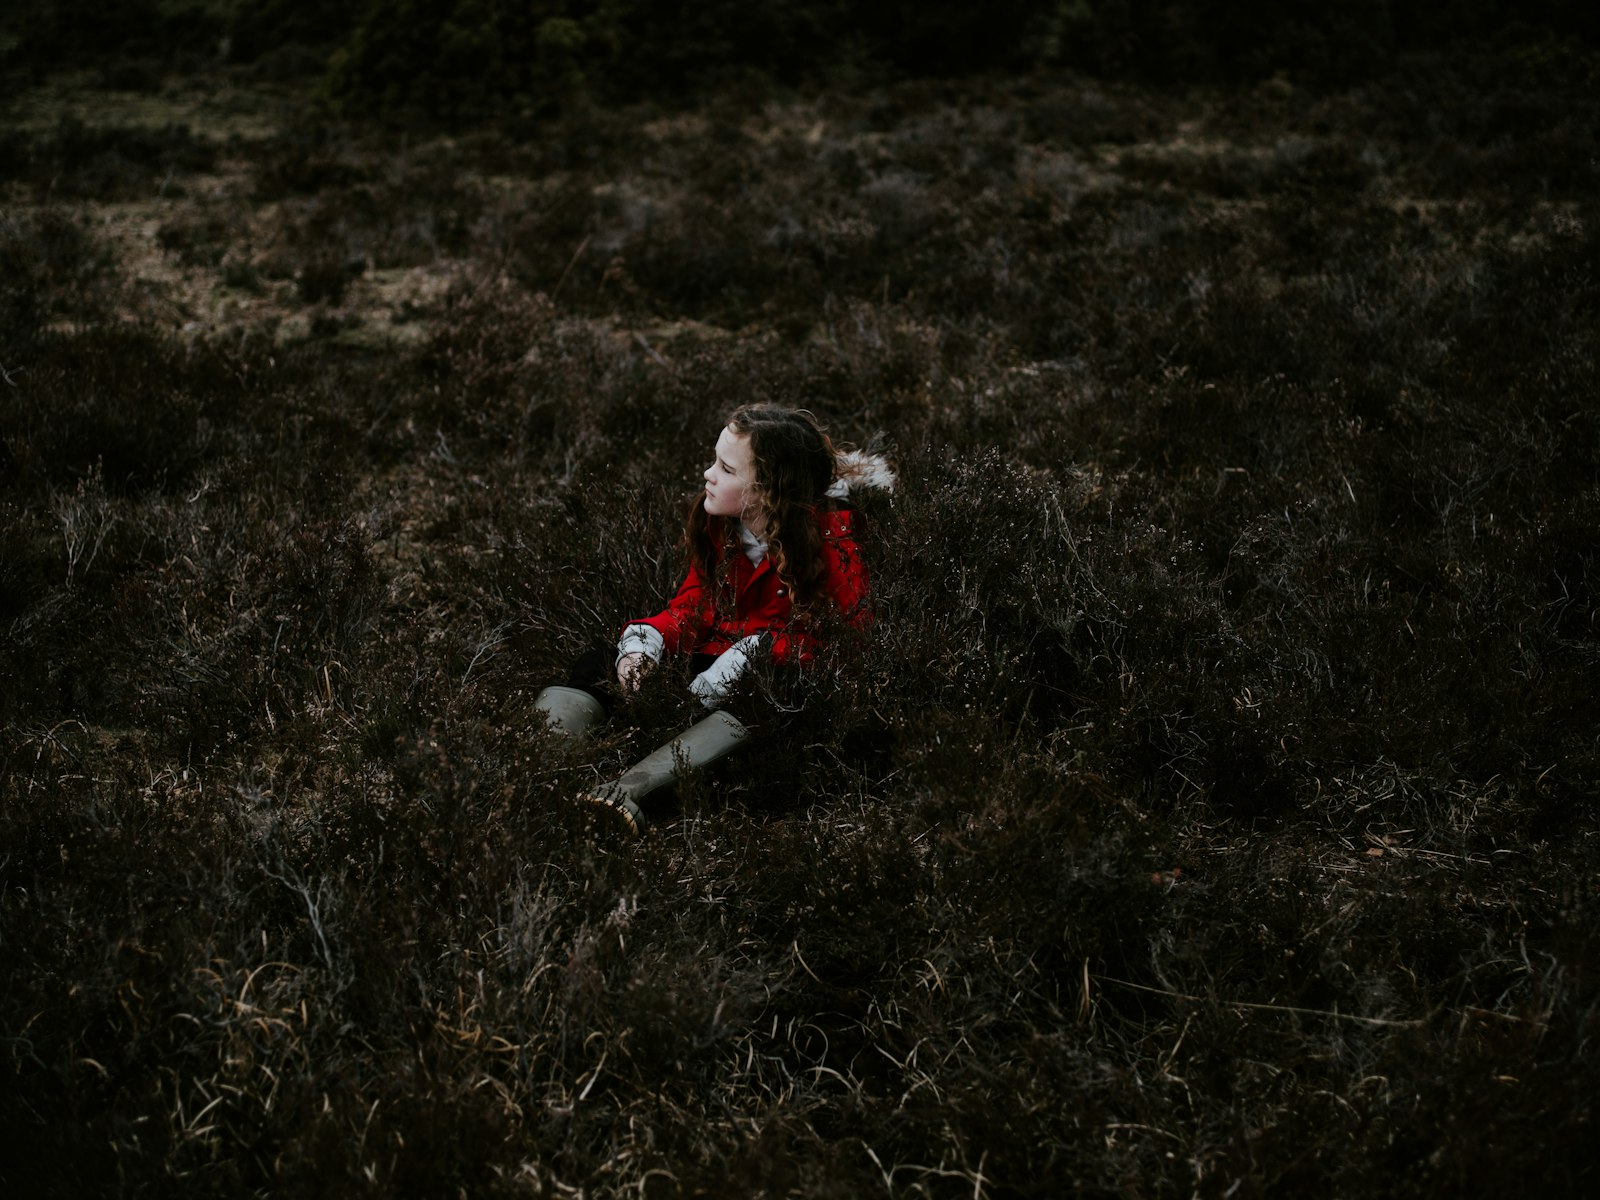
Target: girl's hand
x=631, y=669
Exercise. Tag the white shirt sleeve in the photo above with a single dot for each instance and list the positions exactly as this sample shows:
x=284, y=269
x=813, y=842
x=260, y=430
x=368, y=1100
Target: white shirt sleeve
x=713, y=684
x=642, y=639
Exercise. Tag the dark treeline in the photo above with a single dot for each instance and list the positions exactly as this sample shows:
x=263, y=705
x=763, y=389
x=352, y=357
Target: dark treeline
x=469, y=59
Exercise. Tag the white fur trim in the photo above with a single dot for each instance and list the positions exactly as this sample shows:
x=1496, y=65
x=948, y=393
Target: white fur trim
x=857, y=471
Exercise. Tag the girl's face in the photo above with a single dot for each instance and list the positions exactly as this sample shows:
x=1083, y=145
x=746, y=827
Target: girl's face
x=731, y=478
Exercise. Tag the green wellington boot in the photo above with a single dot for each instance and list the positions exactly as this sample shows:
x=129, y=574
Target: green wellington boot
x=701, y=744
x=569, y=710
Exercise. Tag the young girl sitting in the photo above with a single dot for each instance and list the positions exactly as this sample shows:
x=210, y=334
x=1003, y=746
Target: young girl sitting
x=773, y=561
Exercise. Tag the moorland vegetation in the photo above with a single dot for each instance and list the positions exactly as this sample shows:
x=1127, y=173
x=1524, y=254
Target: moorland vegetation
x=1211, y=810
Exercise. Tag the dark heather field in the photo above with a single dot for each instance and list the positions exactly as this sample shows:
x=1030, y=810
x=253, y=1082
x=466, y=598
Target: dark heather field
x=1211, y=810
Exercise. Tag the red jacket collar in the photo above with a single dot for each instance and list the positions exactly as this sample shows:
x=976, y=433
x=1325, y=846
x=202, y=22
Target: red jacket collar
x=834, y=523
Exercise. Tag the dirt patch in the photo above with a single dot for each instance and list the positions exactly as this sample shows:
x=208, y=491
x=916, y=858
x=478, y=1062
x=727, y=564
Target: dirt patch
x=201, y=255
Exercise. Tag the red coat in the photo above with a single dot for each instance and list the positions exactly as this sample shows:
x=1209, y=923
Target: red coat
x=690, y=623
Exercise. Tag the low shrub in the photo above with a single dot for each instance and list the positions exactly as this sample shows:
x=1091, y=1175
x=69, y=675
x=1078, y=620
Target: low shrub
x=1206, y=807
x=81, y=161
x=52, y=269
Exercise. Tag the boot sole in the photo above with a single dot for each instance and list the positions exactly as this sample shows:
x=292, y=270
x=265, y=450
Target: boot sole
x=620, y=812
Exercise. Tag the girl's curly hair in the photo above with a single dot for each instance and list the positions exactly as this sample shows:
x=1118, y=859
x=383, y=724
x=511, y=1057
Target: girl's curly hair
x=794, y=466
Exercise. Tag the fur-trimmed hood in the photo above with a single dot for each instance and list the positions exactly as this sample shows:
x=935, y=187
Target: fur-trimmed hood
x=858, y=472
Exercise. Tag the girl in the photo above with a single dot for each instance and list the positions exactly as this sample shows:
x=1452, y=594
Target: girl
x=773, y=559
